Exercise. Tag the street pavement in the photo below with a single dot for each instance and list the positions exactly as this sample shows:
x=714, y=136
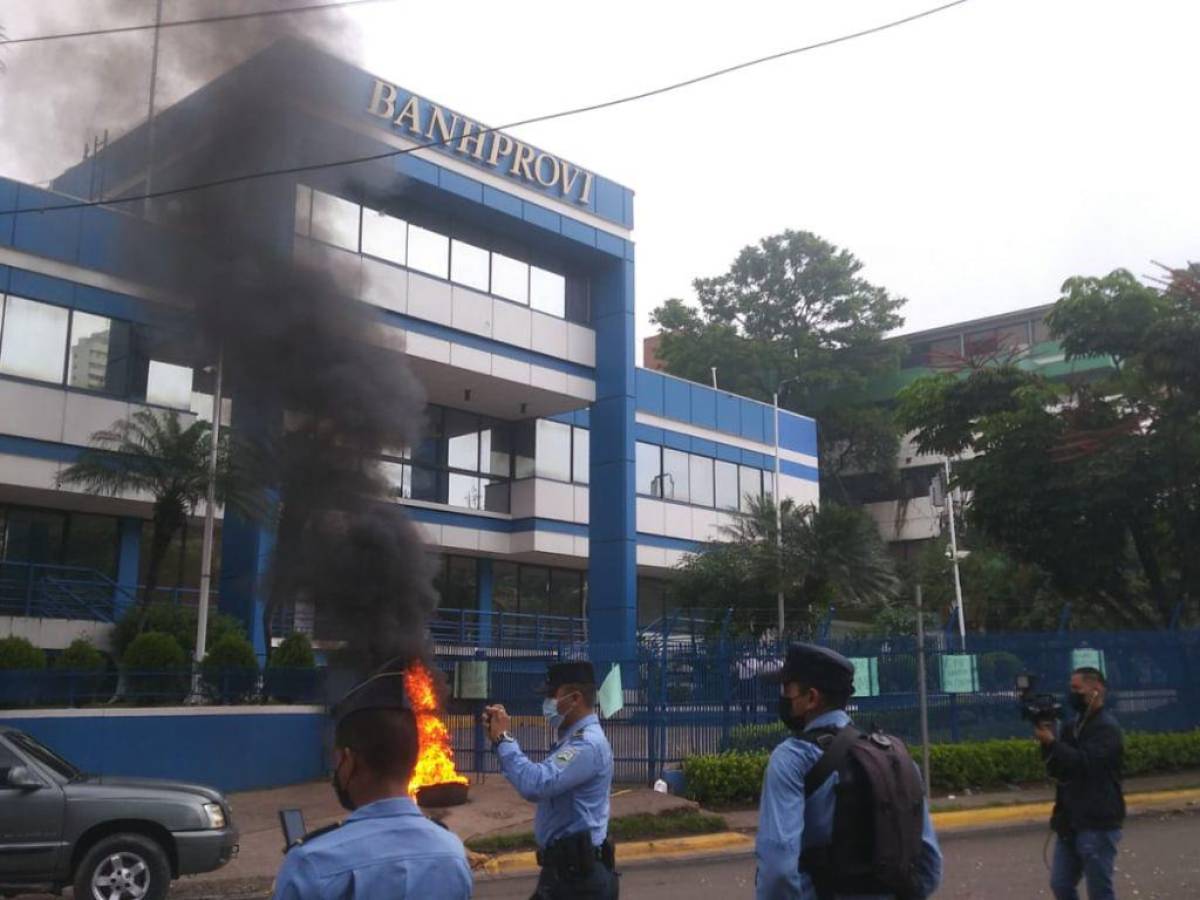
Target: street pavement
x=1158, y=861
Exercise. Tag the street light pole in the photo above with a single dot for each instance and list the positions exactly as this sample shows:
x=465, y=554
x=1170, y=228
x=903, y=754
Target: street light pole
x=958, y=595
x=209, y=525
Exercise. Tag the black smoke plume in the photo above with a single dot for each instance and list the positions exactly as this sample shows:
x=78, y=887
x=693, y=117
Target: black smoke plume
x=318, y=389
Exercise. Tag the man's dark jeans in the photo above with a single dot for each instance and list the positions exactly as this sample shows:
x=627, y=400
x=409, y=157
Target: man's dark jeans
x=1086, y=854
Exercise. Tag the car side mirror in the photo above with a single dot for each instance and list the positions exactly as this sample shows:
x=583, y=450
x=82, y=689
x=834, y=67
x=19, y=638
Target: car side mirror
x=21, y=778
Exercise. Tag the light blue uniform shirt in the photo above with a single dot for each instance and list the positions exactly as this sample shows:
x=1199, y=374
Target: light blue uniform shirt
x=788, y=822
x=570, y=787
x=386, y=849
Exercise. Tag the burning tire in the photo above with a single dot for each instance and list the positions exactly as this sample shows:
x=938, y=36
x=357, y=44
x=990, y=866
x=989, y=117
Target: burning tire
x=434, y=796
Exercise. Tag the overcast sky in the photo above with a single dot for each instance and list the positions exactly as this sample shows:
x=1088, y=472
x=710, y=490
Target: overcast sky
x=972, y=160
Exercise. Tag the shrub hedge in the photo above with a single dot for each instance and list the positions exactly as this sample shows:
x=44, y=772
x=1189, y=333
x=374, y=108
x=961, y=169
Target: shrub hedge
x=19, y=654
x=736, y=775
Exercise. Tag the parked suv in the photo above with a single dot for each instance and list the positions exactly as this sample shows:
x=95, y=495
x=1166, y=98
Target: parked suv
x=111, y=838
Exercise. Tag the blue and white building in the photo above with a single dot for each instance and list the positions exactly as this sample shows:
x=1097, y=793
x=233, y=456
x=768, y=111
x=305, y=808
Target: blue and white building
x=558, y=482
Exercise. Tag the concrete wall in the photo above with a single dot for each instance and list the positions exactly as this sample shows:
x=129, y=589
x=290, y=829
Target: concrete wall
x=232, y=748
x=56, y=634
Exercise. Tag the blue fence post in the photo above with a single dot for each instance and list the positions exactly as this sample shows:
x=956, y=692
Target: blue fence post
x=1064, y=620
x=29, y=577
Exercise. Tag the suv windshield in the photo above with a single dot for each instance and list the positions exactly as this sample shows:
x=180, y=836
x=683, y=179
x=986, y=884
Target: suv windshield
x=44, y=755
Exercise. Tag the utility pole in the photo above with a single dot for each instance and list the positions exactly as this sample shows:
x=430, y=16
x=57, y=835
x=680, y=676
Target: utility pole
x=210, y=500
x=776, y=501
x=150, y=107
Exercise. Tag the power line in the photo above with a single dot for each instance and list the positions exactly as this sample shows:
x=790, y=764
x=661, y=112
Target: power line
x=578, y=110
x=232, y=17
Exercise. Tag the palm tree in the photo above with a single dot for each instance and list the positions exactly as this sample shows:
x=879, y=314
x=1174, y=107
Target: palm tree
x=154, y=453
x=830, y=553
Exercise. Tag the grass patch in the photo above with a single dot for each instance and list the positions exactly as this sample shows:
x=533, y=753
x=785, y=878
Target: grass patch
x=640, y=827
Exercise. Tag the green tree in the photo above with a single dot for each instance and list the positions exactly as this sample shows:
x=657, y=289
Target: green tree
x=795, y=306
x=831, y=555
x=1096, y=482
x=153, y=452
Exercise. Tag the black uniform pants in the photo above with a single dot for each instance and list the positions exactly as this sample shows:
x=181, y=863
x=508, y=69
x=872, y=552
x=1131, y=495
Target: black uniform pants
x=599, y=884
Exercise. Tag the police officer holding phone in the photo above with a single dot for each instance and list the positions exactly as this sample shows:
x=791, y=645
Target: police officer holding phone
x=570, y=787
x=386, y=848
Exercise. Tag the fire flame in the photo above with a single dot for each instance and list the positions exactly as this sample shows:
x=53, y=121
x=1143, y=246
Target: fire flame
x=435, y=761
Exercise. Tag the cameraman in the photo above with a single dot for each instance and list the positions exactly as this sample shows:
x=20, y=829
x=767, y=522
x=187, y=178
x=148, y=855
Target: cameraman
x=1089, y=806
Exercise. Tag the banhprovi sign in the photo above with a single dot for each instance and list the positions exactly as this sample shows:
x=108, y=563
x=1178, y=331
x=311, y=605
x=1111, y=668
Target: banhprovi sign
x=494, y=149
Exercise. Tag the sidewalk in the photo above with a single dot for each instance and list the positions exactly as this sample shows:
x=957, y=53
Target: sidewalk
x=495, y=808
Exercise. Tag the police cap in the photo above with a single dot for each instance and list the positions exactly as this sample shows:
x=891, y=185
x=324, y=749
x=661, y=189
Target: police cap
x=383, y=690
x=567, y=673
x=818, y=667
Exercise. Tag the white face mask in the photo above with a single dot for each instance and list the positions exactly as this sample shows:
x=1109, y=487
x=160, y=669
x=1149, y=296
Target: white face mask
x=551, y=713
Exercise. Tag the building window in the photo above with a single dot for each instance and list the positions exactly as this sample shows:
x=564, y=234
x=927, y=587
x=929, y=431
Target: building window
x=495, y=448
x=334, y=221
x=384, y=236
x=566, y=592
x=428, y=251
x=987, y=341
x=651, y=601
x=649, y=469
x=168, y=385
x=727, y=485
x=675, y=476
x=553, y=450
x=98, y=354
x=469, y=266
x=942, y=352
x=701, y=480
x=457, y=583
x=1041, y=331
x=33, y=339
x=581, y=472
x=537, y=590
x=510, y=278
x=749, y=486
x=547, y=292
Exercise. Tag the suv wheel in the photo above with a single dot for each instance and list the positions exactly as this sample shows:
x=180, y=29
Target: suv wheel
x=123, y=867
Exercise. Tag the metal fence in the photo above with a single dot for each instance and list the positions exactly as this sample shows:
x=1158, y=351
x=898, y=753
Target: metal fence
x=690, y=697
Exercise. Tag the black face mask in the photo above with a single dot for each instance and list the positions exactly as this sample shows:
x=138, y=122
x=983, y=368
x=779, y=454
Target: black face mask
x=343, y=795
x=1079, y=701
x=786, y=716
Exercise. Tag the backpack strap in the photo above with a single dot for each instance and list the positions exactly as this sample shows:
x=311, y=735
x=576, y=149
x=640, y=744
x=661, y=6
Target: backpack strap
x=831, y=760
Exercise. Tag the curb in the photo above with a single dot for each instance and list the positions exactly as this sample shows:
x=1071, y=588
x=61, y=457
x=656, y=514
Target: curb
x=719, y=843
x=726, y=843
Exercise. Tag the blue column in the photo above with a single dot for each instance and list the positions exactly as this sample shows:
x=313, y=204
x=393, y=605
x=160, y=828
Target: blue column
x=246, y=551
x=484, y=579
x=612, y=507
x=129, y=550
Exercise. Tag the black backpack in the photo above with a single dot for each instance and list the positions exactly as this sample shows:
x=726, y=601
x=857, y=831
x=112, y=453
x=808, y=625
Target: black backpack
x=878, y=815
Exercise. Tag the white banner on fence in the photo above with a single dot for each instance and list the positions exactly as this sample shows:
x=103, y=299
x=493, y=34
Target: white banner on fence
x=866, y=676
x=960, y=673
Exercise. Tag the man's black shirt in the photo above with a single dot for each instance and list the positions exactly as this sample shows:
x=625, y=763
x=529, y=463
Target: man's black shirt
x=1086, y=762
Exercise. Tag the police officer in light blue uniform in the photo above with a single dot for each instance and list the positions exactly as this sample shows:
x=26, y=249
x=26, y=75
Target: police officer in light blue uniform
x=386, y=848
x=815, y=686
x=570, y=787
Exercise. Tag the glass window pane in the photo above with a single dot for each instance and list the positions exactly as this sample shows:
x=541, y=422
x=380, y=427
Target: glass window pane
x=462, y=440
x=497, y=495
x=524, y=449
x=504, y=587
x=92, y=543
x=566, y=596
x=578, y=307
x=384, y=236
x=651, y=596
x=431, y=448
x=553, y=450
x=581, y=466
x=461, y=588
x=535, y=590
x=750, y=486
x=469, y=265
x=649, y=469
x=169, y=385
x=768, y=485
x=465, y=491
x=428, y=485
x=701, y=481
x=495, y=448
x=33, y=343
x=510, y=278
x=727, y=484
x=335, y=221
x=675, y=475
x=398, y=477
x=303, y=209
x=1041, y=331
x=98, y=357
x=547, y=291
x=428, y=251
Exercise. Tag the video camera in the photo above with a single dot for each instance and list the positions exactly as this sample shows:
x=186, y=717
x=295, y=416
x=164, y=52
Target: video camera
x=1037, y=708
